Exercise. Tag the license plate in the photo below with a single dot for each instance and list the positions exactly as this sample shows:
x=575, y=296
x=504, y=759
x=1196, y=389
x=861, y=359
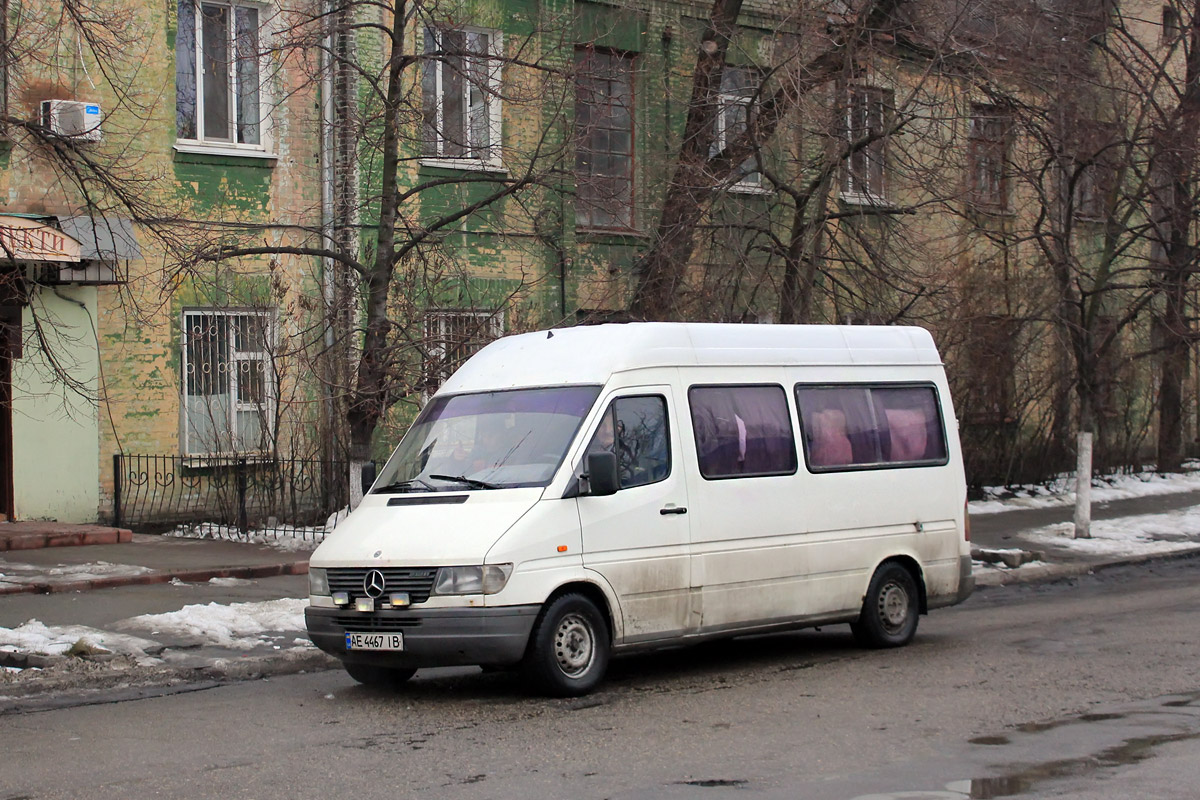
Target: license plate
x=374, y=641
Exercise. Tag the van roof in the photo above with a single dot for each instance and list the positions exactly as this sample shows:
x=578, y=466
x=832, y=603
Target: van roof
x=589, y=354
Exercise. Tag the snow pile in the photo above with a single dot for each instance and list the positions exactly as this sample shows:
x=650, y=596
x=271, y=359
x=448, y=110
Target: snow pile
x=1150, y=534
x=1061, y=491
x=238, y=625
x=284, y=537
x=35, y=637
x=12, y=572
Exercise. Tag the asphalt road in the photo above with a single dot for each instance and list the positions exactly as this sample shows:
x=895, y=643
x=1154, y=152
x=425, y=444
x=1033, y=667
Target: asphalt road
x=1088, y=690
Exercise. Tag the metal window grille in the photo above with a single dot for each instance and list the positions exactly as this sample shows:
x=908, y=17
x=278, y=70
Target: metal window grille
x=228, y=381
x=451, y=337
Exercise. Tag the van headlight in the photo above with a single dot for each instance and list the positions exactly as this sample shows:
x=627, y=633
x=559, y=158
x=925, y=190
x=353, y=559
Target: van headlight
x=318, y=582
x=486, y=579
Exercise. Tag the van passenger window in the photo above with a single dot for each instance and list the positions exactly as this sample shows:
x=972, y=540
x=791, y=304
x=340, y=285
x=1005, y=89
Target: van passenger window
x=855, y=427
x=742, y=431
x=636, y=429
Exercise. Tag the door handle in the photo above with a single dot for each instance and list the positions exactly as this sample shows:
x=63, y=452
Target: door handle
x=673, y=510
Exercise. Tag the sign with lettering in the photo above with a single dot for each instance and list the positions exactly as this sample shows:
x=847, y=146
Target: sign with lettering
x=29, y=240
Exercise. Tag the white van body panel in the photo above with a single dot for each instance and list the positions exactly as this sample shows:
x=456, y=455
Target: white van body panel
x=435, y=535
x=687, y=556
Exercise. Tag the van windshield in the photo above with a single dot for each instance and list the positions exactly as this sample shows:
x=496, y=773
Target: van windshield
x=488, y=440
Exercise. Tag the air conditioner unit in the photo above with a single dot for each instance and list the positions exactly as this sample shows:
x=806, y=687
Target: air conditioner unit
x=72, y=118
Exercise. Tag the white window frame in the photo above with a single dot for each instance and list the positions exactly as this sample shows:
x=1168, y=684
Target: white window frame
x=233, y=357
x=877, y=151
x=491, y=161
x=438, y=327
x=215, y=145
x=727, y=103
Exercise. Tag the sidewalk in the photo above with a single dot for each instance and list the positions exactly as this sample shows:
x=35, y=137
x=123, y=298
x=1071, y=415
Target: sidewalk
x=135, y=610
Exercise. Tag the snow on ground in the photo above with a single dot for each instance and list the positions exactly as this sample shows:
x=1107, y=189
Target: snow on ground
x=238, y=625
x=1146, y=535
x=284, y=537
x=12, y=572
x=1061, y=491
x=35, y=637
x=271, y=623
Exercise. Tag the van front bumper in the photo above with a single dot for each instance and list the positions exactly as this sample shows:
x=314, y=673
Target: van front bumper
x=434, y=637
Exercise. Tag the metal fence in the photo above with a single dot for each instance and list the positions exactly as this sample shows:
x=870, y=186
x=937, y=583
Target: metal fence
x=229, y=496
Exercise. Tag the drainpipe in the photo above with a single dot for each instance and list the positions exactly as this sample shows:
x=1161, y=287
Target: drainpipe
x=328, y=265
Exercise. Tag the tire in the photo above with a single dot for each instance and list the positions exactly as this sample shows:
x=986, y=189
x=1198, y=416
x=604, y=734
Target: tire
x=569, y=649
x=381, y=677
x=890, y=610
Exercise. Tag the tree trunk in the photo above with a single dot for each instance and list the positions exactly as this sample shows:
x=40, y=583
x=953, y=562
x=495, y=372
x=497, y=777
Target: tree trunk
x=1174, y=328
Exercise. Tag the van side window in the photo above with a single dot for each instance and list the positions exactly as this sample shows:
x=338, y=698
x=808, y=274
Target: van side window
x=637, y=428
x=742, y=431
x=857, y=427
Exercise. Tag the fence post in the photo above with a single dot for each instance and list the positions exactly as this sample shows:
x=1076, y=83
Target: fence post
x=116, y=490
x=240, y=471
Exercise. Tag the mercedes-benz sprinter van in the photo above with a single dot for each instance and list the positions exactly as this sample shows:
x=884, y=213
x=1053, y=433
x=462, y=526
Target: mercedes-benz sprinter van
x=572, y=494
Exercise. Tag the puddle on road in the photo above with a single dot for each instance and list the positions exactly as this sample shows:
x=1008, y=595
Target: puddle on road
x=1019, y=777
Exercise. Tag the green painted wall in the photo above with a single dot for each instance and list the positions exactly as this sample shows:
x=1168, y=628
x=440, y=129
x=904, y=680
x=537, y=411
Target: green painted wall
x=56, y=433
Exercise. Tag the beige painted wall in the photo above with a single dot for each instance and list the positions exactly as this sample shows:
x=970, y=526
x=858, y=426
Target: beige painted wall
x=55, y=431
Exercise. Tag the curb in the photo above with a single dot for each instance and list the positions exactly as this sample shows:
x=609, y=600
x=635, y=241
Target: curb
x=1051, y=572
x=185, y=575
x=36, y=541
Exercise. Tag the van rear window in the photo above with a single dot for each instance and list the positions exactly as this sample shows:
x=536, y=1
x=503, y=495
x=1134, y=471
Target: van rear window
x=742, y=431
x=865, y=427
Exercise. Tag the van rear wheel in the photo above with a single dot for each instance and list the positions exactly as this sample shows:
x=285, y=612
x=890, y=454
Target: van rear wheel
x=569, y=648
x=381, y=677
x=890, y=609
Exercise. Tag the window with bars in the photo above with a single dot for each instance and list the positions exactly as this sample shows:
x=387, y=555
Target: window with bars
x=460, y=95
x=228, y=381
x=603, y=139
x=987, y=157
x=218, y=74
x=739, y=87
x=865, y=174
x=451, y=337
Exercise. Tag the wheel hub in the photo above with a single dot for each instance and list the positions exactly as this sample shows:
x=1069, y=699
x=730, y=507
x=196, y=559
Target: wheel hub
x=573, y=645
x=893, y=606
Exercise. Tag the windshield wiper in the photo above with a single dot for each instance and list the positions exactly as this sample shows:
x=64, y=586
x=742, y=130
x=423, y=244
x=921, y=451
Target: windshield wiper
x=474, y=484
x=403, y=486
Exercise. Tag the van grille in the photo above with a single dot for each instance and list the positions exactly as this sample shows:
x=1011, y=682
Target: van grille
x=417, y=581
x=374, y=623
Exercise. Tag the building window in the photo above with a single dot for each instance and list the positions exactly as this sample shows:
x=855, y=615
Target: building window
x=1170, y=25
x=739, y=87
x=742, y=431
x=451, y=337
x=987, y=156
x=604, y=139
x=218, y=73
x=866, y=118
x=228, y=381
x=460, y=94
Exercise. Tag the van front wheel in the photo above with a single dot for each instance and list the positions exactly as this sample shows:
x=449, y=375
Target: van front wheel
x=890, y=609
x=569, y=648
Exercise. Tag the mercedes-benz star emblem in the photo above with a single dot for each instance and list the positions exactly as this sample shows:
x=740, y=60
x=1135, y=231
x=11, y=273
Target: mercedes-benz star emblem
x=373, y=584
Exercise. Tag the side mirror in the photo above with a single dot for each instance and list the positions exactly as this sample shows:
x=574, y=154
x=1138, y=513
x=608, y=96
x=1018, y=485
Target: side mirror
x=602, y=474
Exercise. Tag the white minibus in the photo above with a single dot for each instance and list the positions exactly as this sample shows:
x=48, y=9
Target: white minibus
x=572, y=494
